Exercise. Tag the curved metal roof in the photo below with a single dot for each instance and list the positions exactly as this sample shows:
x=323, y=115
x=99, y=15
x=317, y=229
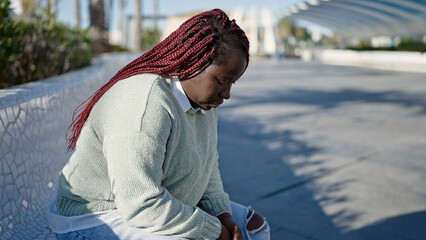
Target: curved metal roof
x=363, y=18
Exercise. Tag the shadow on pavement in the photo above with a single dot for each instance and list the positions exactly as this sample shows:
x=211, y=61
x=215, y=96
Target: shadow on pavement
x=271, y=169
x=406, y=226
x=251, y=171
x=327, y=99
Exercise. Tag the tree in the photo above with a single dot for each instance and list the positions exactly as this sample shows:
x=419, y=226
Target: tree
x=51, y=9
x=29, y=9
x=288, y=28
x=155, y=13
x=123, y=22
x=138, y=30
x=77, y=13
x=98, y=26
x=150, y=38
x=36, y=50
x=285, y=28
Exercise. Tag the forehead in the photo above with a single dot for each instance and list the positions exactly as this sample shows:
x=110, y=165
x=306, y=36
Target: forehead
x=233, y=67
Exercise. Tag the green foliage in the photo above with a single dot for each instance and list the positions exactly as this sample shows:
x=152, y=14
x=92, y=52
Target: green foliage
x=118, y=48
x=8, y=30
x=409, y=44
x=364, y=44
x=150, y=38
x=33, y=51
x=406, y=44
x=287, y=28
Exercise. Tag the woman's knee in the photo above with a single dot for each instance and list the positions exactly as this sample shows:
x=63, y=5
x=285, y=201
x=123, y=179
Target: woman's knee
x=256, y=221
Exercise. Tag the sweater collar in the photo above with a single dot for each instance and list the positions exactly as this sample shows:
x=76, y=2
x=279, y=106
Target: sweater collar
x=180, y=95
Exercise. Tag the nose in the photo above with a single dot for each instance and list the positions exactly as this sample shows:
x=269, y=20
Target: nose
x=226, y=92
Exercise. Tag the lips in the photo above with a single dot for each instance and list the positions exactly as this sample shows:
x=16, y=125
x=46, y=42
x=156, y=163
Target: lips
x=216, y=104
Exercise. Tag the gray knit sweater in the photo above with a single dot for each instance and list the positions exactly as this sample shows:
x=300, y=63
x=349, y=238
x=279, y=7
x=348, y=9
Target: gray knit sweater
x=141, y=154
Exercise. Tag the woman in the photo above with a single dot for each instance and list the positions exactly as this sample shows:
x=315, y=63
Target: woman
x=145, y=164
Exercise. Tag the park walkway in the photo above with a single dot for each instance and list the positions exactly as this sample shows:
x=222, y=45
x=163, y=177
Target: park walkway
x=328, y=152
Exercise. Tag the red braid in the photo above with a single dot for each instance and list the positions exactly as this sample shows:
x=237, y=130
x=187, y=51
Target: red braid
x=196, y=44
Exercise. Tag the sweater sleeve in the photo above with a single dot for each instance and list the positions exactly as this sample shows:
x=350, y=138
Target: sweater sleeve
x=135, y=162
x=215, y=200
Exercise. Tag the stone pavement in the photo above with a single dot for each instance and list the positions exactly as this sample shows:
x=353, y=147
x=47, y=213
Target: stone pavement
x=328, y=152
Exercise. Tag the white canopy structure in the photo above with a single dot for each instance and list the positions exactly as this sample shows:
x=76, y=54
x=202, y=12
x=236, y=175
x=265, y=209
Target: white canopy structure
x=363, y=18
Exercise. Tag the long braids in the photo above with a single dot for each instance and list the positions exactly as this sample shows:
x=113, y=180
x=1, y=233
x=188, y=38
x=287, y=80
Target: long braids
x=200, y=41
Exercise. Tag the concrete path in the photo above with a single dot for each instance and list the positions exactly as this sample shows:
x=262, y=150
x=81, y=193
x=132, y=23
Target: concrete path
x=328, y=152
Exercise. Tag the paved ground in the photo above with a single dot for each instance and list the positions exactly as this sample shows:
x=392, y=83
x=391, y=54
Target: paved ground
x=327, y=152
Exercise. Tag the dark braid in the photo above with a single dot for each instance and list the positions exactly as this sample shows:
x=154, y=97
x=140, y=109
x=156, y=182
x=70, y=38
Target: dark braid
x=200, y=41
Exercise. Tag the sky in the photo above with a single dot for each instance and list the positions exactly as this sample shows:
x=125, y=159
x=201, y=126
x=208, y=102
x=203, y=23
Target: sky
x=66, y=13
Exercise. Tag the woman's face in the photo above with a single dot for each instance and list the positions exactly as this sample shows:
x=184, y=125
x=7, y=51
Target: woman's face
x=213, y=85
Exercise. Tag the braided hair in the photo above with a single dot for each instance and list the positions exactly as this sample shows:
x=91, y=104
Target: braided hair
x=202, y=40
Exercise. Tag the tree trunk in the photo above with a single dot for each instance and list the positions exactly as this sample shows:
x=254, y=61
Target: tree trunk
x=138, y=30
x=108, y=12
x=155, y=14
x=98, y=28
x=30, y=9
x=51, y=8
x=77, y=13
x=123, y=23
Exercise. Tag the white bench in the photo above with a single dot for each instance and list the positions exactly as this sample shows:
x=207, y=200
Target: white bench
x=33, y=121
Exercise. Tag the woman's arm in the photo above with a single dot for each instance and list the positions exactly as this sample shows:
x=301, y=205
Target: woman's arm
x=134, y=168
x=215, y=200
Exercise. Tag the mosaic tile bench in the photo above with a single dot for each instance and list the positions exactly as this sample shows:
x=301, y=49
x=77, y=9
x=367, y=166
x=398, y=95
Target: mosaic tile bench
x=33, y=121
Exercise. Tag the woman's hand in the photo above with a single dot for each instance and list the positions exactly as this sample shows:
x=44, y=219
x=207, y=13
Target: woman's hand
x=229, y=224
x=225, y=234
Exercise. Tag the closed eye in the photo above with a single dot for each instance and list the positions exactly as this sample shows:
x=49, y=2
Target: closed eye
x=221, y=82
x=225, y=82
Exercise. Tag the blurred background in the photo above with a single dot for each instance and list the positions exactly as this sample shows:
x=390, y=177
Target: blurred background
x=302, y=29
